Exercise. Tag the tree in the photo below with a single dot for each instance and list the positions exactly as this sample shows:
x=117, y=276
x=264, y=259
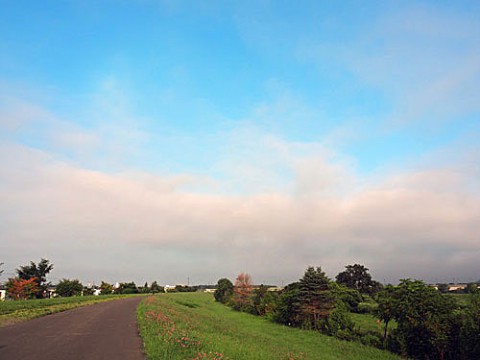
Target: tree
x=242, y=291
x=424, y=318
x=1, y=271
x=67, y=288
x=315, y=299
x=357, y=277
x=155, y=288
x=224, y=291
x=127, y=288
x=106, y=288
x=20, y=289
x=38, y=272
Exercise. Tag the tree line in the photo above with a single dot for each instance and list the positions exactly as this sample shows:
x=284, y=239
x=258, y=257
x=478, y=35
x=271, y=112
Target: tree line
x=429, y=324
x=31, y=282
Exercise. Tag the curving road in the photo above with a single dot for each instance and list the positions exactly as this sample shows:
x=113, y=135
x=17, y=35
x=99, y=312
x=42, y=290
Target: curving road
x=102, y=331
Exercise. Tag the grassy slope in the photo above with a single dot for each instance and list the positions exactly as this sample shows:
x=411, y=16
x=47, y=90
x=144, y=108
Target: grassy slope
x=15, y=311
x=193, y=326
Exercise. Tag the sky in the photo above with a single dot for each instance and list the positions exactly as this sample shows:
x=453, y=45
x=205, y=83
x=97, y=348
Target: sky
x=186, y=141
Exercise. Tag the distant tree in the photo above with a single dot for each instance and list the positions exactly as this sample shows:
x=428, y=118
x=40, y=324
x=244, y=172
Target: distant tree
x=1, y=271
x=38, y=272
x=67, y=288
x=21, y=289
x=145, y=289
x=357, y=277
x=472, y=288
x=106, y=288
x=242, y=291
x=155, y=288
x=443, y=288
x=185, y=288
x=224, y=291
x=88, y=290
x=127, y=288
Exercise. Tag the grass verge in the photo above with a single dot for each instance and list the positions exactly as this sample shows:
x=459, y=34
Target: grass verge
x=194, y=326
x=12, y=312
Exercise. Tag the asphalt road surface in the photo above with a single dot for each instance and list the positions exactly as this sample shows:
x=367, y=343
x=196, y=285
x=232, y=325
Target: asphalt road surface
x=102, y=331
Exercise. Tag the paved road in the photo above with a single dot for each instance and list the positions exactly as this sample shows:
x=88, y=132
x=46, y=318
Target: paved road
x=102, y=331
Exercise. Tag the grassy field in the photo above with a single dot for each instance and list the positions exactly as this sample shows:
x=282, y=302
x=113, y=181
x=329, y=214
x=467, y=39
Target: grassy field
x=368, y=323
x=194, y=326
x=15, y=311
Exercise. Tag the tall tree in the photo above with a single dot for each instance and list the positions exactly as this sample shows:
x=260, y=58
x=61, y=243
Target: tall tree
x=242, y=291
x=38, y=272
x=224, y=291
x=315, y=298
x=357, y=277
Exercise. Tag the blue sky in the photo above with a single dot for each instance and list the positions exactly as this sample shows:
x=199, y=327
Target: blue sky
x=212, y=128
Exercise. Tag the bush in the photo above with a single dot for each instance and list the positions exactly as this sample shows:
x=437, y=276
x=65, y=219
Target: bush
x=367, y=308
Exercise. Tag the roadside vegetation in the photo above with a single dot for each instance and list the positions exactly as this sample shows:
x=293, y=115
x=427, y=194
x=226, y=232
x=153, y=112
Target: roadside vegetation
x=194, y=326
x=411, y=319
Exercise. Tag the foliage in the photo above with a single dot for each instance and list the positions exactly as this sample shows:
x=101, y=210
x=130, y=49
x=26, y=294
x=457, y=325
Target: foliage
x=185, y=288
x=469, y=337
x=350, y=297
x=1, y=271
x=106, y=288
x=22, y=289
x=340, y=323
x=155, y=288
x=88, y=290
x=242, y=291
x=126, y=288
x=208, y=330
x=224, y=291
x=357, y=277
x=423, y=315
x=67, y=288
x=315, y=298
x=38, y=272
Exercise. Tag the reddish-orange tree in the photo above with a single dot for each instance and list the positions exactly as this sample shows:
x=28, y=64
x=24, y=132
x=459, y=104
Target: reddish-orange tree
x=242, y=292
x=20, y=289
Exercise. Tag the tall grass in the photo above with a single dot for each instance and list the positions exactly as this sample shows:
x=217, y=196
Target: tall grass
x=194, y=326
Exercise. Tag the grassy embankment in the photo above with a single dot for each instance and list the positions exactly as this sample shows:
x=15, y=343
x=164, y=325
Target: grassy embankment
x=194, y=326
x=15, y=311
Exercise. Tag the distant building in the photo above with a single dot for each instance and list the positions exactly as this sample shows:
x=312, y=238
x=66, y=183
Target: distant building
x=168, y=288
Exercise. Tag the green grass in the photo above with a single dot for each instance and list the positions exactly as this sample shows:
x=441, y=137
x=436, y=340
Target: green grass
x=368, y=323
x=15, y=311
x=193, y=326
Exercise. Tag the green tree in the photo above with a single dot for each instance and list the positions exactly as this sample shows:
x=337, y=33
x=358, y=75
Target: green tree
x=424, y=318
x=106, y=288
x=357, y=277
x=224, y=291
x=127, y=288
x=315, y=298
x=155, y=288
x=66, y=288
x=38, y=272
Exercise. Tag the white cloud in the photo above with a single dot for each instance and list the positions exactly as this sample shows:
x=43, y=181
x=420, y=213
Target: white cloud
x=421, y=224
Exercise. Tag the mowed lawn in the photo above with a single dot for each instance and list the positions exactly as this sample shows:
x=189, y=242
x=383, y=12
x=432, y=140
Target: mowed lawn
x=194, y=326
